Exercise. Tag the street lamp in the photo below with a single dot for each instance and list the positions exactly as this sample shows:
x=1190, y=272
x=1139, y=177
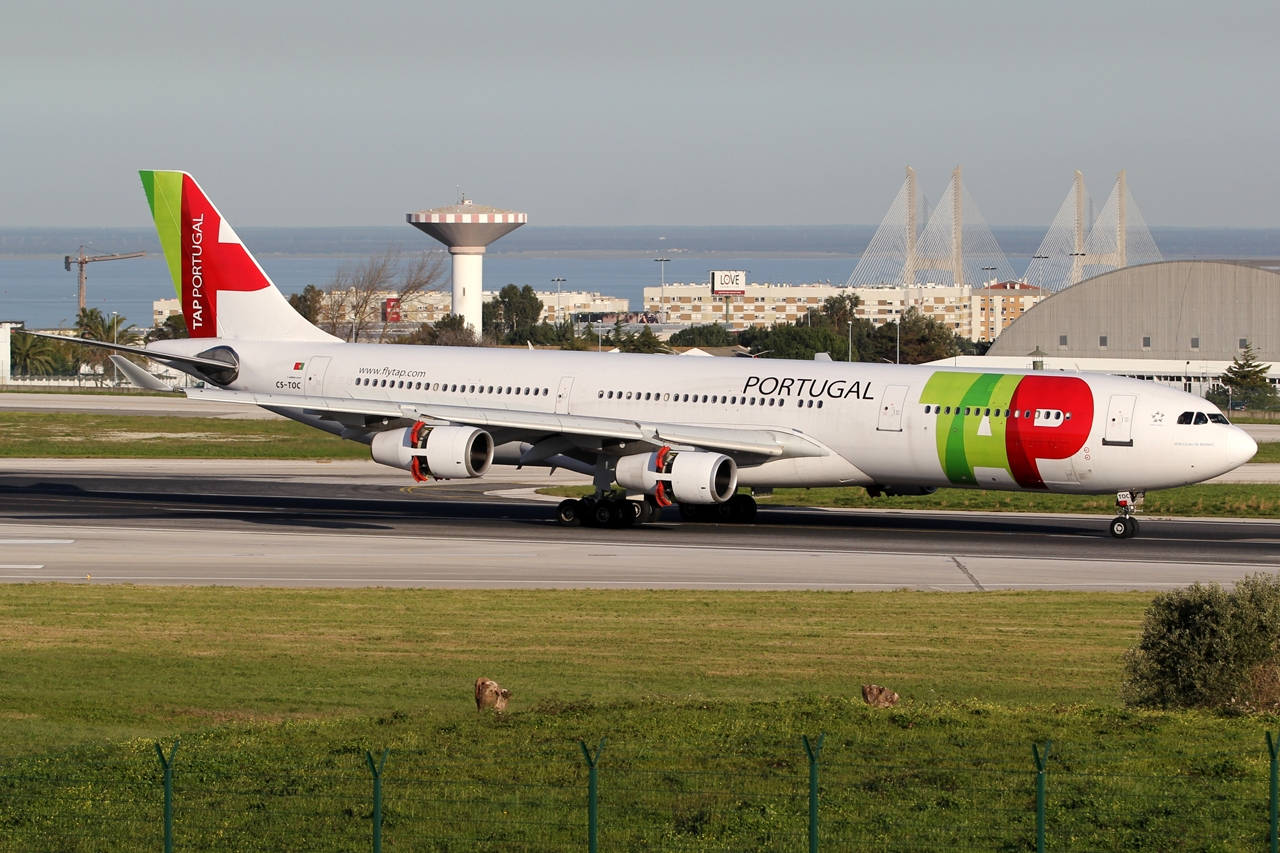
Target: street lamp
x=986, y=306
x=558, y=281
x=662, y=272
x=115, y=335
x=850, y=358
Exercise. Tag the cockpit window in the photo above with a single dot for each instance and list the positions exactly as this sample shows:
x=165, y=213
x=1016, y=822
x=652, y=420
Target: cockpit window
x=1201, y=418
x=1185, y=417
x=1216, y=418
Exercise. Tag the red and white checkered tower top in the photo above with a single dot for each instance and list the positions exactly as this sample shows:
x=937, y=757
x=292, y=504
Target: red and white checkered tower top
x=467, y=228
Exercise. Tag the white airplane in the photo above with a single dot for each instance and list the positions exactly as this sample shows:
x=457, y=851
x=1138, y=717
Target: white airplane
x=668, y=430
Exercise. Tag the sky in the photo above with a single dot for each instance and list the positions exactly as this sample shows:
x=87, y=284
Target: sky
x=590, y=113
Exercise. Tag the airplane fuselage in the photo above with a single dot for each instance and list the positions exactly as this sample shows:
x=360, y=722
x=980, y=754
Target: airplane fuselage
x=882, y=425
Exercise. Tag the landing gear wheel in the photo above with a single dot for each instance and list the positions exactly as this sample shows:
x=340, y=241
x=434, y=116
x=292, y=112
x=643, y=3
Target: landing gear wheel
x=604, y=514
x=649, y=511
x=742, y=509
x=569, y=512
x=1124, y=527
x=629, y=513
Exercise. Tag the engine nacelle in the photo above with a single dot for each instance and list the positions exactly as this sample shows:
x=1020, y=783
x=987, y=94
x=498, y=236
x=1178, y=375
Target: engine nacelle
x=443, y=452
x=686, y=476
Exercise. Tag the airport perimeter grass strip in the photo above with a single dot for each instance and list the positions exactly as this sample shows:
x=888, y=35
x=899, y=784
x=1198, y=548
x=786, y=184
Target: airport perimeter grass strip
x=97, y=436
x=703, y=696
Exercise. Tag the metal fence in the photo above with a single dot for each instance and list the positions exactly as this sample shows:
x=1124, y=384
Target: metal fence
x=1052, y=798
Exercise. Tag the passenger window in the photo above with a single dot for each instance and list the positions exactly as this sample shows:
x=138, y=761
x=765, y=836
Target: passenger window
x=1201, y=418
x=1186, y=417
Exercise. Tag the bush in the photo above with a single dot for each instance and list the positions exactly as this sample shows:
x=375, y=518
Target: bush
x=1204, y=647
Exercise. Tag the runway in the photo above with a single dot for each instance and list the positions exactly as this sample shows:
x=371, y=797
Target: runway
x=305, y=524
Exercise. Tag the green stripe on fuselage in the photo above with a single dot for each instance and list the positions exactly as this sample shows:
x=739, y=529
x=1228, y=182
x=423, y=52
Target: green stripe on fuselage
x=976, y=440
x=164, y=195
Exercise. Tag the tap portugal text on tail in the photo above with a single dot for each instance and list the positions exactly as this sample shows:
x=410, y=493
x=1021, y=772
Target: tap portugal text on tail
x=690, y=433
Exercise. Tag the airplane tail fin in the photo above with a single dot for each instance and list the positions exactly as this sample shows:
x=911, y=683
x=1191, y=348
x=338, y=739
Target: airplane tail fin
x=224, y=292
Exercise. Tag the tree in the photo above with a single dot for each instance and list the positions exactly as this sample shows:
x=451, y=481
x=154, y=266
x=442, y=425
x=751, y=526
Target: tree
x=706, y=335
x=91, y=324
x=922, y=339
x=174, y=326
x=787, y=341
x=449, y=331
x=308, y=303
x=1246, y=379
x=840, y=309
x=512, y=314
x=423, y=273
x=351, y=305
x=1202, y=646
x=646, y=341
x=32, y=356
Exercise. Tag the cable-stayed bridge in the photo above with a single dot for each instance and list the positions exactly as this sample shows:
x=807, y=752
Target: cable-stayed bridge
x=1073, y=251
x=957, y=247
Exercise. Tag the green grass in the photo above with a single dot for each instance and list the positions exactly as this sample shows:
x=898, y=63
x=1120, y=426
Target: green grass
x=1268, y=451
x=703, y=696
x=30, y=434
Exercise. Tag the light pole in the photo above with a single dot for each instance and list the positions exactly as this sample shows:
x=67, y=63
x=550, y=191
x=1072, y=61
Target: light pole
x=850, y=358
x=115, y=335
x=986, y=306
x=662, y=273
x=557, y=281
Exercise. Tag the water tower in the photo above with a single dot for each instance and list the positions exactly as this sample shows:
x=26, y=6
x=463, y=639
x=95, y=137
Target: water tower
x=467, y=228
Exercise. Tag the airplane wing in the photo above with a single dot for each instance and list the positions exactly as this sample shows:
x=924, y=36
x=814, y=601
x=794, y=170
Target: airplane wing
x=525, y=425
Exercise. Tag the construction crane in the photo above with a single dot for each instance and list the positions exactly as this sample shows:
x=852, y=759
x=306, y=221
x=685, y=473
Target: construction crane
x=81, y=259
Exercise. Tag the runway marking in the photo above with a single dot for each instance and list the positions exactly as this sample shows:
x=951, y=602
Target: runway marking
x=968, y=574
x=24, y=568
x=37, y=541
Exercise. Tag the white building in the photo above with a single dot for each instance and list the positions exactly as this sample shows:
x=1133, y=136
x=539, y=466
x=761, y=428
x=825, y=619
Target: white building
x=971, y=312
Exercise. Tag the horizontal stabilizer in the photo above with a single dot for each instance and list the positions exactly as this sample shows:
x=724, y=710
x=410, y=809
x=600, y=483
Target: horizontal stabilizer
x=138, y=376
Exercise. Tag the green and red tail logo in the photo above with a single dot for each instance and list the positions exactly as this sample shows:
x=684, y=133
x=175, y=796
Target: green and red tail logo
x=1007, y=422
x=204, y=254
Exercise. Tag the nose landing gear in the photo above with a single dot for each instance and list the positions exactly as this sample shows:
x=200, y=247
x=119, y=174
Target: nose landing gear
x=1124, y=525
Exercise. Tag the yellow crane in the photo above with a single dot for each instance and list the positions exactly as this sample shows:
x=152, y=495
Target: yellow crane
x=81, y=259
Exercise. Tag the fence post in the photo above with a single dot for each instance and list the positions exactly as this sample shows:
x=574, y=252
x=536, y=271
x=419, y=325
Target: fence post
x=1273, y=747
x=376, y=770
x=1041, y=760
x=167, y=764
x=593, y=795
x=814, y=751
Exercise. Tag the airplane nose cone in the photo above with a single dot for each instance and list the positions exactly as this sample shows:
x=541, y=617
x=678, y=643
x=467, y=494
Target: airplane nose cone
x=1240, y=447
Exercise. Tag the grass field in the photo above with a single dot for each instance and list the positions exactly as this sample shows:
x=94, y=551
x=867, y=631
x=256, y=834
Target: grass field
x=31, y=434
x=703, y=696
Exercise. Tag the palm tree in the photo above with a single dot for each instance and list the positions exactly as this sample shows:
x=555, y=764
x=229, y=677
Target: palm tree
x=91, y=324
x=32, y=356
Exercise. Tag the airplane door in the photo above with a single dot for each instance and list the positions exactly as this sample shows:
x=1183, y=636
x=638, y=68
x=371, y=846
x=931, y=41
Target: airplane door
x=1119, y=426
x=891, y=408
x=313, y=384
x=562, y=395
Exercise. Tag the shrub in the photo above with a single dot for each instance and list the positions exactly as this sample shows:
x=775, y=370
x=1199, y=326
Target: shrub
x=1204, y=647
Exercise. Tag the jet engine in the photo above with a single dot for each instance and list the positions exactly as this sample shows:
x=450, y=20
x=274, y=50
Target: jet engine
x=685, y=476
x=443, y=452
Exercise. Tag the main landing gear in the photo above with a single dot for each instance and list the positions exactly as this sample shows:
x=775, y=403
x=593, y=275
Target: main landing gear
x=610, y=511
x=1124, y=525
